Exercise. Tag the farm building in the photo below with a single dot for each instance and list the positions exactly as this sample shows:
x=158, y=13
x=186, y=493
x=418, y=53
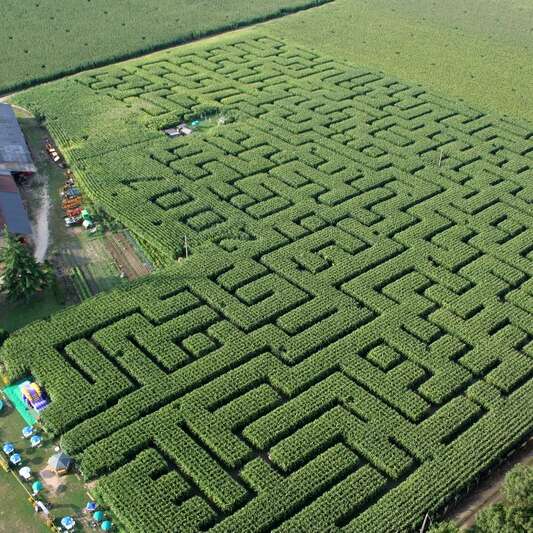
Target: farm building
x=15, y=155
x=15, y=160
x=12, y=211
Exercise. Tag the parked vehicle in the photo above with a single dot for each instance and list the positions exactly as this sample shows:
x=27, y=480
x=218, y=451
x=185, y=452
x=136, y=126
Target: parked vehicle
x=76, y=212
x=72, y=221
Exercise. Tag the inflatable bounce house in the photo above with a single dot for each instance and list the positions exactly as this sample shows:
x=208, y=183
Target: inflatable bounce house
x=33, y=396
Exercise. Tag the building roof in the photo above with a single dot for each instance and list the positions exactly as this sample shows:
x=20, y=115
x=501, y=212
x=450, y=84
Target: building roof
x=15, y=155
x=12, y=211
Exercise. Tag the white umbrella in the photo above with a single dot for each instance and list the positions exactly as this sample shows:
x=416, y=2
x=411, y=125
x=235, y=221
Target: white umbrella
x=25, y=472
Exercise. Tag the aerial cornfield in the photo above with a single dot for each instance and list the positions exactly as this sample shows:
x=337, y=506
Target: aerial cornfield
x=348, y=344
x=43, y=39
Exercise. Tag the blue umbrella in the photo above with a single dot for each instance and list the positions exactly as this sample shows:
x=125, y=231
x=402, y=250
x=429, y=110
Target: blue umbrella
x=35, y=440
x=8, y=448
x=106, y=525
x=91, y=506
x=15, y=458
x=27, y=431
x=67, y=522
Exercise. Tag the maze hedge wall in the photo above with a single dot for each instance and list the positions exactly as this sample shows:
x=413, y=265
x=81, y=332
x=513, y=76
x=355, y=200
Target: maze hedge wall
x=350, y=344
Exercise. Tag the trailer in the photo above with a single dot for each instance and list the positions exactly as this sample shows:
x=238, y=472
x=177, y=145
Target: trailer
x=71, y=203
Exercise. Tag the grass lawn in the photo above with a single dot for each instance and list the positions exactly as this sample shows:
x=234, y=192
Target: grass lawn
x=16, y=513
x=480, y=51
x=16, y=315
x=19, y=516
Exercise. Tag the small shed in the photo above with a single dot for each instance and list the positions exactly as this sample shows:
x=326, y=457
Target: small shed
x=60, y=463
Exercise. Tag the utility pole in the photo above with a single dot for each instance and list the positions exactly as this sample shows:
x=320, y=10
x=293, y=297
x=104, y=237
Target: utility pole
x=186, y=248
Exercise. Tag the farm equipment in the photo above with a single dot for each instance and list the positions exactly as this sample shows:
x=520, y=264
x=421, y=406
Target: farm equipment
x=52, y=152
x=72, y=221
x=76, y=212
x=71, y=192
x=71, y=203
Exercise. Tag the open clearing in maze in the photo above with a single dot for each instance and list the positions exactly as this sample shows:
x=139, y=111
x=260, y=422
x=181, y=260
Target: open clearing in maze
x=350, y=344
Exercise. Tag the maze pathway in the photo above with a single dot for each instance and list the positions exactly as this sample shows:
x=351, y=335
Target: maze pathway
x=349, y=345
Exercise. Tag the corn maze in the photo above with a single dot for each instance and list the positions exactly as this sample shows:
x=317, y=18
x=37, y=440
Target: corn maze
x=349, y=345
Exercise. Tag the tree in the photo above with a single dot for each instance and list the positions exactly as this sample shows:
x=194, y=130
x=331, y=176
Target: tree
x=518, y=487
x=22, y=275
x=515, y=515
x=493, y=519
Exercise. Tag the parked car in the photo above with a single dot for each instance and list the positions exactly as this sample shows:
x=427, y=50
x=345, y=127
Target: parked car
x=72, y=221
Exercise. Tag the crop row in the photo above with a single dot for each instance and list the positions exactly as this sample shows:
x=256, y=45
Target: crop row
x=352, y=323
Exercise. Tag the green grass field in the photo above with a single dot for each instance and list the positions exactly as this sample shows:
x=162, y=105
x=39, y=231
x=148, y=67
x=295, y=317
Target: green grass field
x=348, y=346
x=16, y=512
x=43, y=40
x=480, y=51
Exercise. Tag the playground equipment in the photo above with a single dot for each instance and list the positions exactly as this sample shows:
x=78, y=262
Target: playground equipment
x=33, y=396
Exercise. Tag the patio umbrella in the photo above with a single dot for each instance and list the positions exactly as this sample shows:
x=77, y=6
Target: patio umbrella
x=91, y=506
x=15, y=458
x=67, y=522
x=59, y=462
x=98, y=516
x=25, y=472
x=8, y=448
x=27, y=431
x=106, y=525
x=1, y=405
x=37, y=486
x=35, y=441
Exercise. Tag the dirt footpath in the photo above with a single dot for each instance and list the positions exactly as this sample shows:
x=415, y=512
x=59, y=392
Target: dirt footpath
x=125, y=257
x=489, y=491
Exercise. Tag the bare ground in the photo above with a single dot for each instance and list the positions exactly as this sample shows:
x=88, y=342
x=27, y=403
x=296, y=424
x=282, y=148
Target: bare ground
x=125, y=256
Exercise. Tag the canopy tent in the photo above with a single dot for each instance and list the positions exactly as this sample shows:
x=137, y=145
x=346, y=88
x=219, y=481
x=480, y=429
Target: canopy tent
x=91, y=506
x=59, y=462
x=35, y=441
x=68, y=522
x=98, y=516
x=25, y=472
x=27, y=431
x=37, y=486
x=8, y=448
x=15, y=459
x=106, y=525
